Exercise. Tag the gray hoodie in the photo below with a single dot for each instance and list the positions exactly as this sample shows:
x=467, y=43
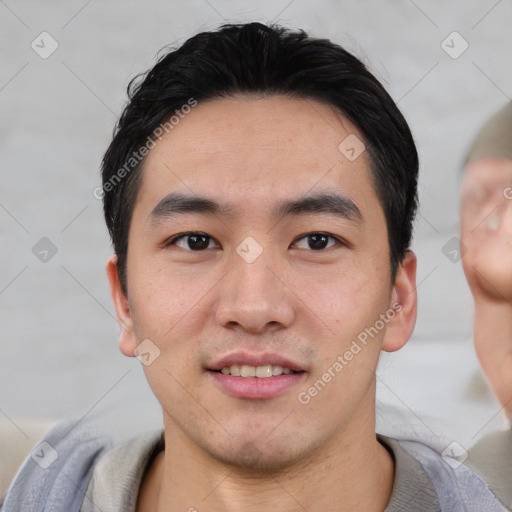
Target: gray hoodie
x=75, y=468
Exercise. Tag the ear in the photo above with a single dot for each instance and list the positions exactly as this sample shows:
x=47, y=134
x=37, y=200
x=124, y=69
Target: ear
x=127, y=339
x=404, y=304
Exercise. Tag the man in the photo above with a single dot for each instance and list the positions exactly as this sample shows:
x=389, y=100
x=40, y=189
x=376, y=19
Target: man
x=260, y=191
x=486, y=235
x=486, y=232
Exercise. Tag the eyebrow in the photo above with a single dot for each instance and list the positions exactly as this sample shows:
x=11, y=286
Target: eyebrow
x=333, y=203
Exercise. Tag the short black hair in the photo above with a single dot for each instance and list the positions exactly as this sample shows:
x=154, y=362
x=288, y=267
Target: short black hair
x=253, y=58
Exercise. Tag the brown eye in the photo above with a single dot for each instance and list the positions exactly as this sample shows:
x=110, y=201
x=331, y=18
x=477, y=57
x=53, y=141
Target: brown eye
x=192, y=241
x=316, y=241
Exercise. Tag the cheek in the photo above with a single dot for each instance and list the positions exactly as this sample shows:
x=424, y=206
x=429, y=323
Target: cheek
x=350, y=302
x=166, y=303
x=168, y=313
x=476, y=219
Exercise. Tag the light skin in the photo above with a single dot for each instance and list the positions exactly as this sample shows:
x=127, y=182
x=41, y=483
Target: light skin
x=486, y=232
x=226, y=453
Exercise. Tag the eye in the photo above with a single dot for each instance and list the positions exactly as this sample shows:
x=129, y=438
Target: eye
x=193, y=241
x=316, y=241
x=197, y=241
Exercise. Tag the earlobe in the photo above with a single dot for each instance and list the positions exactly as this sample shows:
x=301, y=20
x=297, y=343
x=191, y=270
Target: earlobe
x=404, y=305
x=127, y=339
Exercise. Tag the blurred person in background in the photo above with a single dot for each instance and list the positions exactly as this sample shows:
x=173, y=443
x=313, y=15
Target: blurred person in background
x=486, y=236
x=486, y=245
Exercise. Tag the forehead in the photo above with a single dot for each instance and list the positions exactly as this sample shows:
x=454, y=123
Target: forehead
x=253, y=149
x=487, y=172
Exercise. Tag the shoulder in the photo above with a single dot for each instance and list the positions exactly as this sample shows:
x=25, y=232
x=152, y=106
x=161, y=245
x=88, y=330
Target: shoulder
x=491, y=458
x=118, y=475
x=436, y=481
x=56, y=472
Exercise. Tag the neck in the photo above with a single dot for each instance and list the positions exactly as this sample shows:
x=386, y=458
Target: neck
x=493, y=342
x=352, y=471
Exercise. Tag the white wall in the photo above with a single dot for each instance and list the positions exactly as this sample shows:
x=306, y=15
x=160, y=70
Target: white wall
x=59, y=351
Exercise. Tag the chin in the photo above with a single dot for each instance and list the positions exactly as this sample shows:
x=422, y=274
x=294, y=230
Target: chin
x=264, y=458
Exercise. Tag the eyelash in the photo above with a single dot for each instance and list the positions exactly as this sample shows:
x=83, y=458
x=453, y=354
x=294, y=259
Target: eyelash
x=176, y=238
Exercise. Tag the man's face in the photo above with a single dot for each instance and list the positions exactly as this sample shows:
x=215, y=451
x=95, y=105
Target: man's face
x=486, y=191
x=486, y=226
x=248, y=286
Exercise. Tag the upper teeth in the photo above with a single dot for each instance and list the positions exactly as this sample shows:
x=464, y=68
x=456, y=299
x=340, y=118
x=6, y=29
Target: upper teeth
x=244, y=370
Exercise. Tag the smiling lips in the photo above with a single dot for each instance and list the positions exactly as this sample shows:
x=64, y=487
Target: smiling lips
x=264, y=363
x=262, y=372
x=260, y=376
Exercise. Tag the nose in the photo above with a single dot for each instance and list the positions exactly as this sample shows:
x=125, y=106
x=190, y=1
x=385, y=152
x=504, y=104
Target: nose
x=254, y=297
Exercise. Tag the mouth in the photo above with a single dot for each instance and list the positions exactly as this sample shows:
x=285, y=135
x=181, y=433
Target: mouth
x=260, y=377
x=261, y=372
